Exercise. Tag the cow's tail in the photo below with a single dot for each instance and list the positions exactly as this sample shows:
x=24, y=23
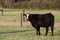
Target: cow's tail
x=52, y=20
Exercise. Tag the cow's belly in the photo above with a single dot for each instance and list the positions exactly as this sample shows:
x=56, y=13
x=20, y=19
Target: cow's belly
x=40, y=24
x=44, y=25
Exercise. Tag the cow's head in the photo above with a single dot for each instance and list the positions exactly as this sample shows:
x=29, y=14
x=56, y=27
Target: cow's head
x=26, y=15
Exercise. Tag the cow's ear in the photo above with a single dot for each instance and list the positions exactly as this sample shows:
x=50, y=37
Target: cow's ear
x=24, y=14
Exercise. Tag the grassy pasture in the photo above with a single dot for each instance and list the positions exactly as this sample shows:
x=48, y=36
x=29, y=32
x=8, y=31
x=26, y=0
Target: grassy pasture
x=13, y=15
x=10, y=15
x=26, y=33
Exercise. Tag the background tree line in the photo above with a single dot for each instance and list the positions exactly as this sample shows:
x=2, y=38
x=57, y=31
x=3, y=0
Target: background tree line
x=31, y=4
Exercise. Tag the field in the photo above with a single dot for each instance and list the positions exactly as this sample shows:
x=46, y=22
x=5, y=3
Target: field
x=26, y=32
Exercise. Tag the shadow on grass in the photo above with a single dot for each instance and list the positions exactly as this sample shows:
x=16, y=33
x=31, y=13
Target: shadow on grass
x=15, y=31
x=57, y=33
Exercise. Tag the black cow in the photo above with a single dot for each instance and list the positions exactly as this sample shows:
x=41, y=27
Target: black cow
x=41, y=20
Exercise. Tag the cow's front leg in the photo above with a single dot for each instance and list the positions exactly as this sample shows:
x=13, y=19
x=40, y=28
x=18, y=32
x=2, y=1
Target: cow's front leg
x=46, y=31
x=38, y=31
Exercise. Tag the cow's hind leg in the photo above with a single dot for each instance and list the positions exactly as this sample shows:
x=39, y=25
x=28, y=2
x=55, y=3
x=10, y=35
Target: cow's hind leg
x=52, y=30
x=47, y=29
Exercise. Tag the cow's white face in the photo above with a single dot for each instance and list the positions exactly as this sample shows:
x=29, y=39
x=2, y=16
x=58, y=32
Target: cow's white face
x=27, y=15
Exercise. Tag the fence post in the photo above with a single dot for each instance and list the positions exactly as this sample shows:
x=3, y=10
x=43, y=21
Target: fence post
x=21, y=19
x=23, y=16
x=2, y=12
x=1, y=9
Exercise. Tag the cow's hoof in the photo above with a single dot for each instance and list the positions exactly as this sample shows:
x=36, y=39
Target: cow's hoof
x=51, y=35
x=45, y=35
x=39, y=34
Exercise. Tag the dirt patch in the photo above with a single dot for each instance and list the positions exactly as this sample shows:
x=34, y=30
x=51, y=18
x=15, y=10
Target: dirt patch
x=9, y=23
x=57, y=24
x=19, y=24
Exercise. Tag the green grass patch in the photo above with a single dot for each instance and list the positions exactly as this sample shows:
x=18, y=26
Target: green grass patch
x=26, y=33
